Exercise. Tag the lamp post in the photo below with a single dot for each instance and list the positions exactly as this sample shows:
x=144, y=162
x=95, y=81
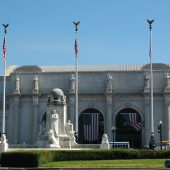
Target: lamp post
x=160, y=132
x=114, y=137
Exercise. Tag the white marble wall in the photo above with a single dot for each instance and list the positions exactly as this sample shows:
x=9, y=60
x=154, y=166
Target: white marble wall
x=127, y=91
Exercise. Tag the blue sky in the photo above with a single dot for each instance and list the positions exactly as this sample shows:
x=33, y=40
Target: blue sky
x=41, y=32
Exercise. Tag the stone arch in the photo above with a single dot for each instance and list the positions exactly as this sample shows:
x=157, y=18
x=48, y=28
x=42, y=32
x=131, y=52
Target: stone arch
x=92, y=106
x=41, y=114
x=91, y=126
x=127, y=105
x=129, y=126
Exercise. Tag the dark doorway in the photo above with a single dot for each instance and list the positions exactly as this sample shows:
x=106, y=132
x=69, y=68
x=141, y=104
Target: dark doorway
x=91, y=126
x=129, y=127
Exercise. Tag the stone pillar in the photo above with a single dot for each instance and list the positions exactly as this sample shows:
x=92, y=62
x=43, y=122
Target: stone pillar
x=166, y=121
x=108, y=118
x=146, y=133
x=34, y=118
x=108, y=121
x=147, y=121
x=71, y=115
x=35, y=97
x=166, y=118
x=167, y=82
x=16, y=102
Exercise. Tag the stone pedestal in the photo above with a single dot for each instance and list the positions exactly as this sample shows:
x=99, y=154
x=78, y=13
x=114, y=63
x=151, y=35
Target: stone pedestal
x=104, y=146
x=3, y=143
x=56, y=133
x=3, y=147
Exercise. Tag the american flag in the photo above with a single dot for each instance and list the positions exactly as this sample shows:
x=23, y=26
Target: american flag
x=76, y=48
x=132, y=120
x=4, y=49
x=150, y=48
x=90, y=126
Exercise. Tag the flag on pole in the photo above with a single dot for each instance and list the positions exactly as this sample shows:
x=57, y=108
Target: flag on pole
x=4, y=49
x=76, y=48
x=150, y=48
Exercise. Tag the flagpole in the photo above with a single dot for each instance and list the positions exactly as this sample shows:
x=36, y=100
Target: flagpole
x=152, y=138
x=3, y=135
x=4, y=95
x=76, y=71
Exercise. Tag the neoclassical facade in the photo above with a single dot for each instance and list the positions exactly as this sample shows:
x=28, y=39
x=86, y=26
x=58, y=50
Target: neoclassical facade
x=112, y=93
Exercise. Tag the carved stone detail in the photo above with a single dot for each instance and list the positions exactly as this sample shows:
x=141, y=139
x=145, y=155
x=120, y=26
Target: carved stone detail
x=109, y=84
x=35, y=89
x=17, y=86
x=72, y=84
x=167, y=81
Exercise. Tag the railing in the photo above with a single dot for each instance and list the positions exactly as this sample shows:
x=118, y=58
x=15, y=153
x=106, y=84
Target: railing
x=125, y=145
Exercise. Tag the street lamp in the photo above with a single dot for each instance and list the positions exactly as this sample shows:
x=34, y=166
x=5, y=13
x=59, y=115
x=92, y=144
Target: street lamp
x=114, y=132
x=160, y=132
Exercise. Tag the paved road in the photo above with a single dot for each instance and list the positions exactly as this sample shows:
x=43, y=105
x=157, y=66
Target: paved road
x=83, y=168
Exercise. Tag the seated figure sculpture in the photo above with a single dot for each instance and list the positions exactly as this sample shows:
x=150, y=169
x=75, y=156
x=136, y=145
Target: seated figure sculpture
x=54, y=140
x=69, y=130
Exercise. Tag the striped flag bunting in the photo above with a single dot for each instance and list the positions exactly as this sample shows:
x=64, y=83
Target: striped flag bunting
x=90, y=126
x=76, y=48
x=150, y=48
x=4, y=49
x=132, y=120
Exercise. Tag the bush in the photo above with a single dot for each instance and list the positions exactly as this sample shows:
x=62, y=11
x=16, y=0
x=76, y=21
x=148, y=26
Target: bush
x=39, y=157
x=19, y=159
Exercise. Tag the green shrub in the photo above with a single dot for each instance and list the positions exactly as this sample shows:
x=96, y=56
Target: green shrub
x=19, y=159
x=39, y=157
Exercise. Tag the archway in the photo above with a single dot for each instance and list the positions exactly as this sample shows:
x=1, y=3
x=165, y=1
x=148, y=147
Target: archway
x=91, y=126
x=129, y=127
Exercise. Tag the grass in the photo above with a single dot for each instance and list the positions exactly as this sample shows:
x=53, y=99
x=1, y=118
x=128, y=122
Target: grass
x=132, y=163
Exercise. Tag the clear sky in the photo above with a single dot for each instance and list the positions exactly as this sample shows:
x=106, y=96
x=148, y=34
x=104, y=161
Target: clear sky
x=41, y=32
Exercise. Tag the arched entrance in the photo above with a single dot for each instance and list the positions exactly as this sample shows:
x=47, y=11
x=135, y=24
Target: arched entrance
x=91, y=126
x=129, y=127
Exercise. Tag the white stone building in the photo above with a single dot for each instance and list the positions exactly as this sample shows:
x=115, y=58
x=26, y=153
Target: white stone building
x=112, y=92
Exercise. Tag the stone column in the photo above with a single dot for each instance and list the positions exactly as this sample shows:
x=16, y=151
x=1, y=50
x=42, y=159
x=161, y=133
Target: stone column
x=166, y=118
x=16, y=102
x=146, y=133
x=34, y=118
x=108, y=118
x=147, y=121
x=35, y=98
x=71, y=112
x=167, y=82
